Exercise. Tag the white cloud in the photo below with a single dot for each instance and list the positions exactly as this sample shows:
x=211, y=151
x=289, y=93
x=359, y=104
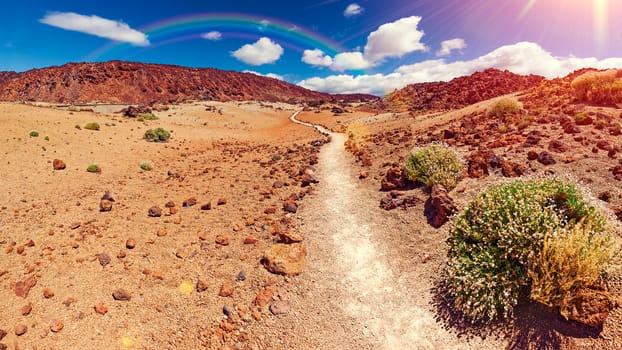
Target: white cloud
x=261, y=52
x=97, y=26
x=269, y=75
x=349, y=60
x=448, y=46
x=518, y=58
x=316, y=57
x=395, y=39
x=353, y=10
x=213, y=35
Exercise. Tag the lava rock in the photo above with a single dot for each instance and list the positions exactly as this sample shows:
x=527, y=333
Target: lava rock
x=285, y=259
x=155, y=212
x=121, y=295
x=439, y=206
x=546, y=158
x=58, y=164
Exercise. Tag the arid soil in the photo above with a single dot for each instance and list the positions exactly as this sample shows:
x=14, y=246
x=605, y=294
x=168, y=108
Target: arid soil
x=195, y=278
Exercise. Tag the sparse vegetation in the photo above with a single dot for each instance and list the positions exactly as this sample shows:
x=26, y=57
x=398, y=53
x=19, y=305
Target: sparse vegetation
x=146, y=166
x=157, y=135
x=599, y=87
x=78, y=127
x=33, y=133
x=92, y=126
x=93, y=168
x=535, y=236
x=46, y=138
x=505, y=106
x=146, y=116
x=435, y=164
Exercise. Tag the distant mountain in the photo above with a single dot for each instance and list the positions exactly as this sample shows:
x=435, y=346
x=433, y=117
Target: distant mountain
x=140, y=83
x=457, y=93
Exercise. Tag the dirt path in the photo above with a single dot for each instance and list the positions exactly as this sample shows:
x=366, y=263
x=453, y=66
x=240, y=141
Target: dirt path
x=360, y=291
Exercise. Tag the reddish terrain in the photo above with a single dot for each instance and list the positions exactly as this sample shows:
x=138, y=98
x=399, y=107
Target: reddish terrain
x=457, y=93
x=130, y=82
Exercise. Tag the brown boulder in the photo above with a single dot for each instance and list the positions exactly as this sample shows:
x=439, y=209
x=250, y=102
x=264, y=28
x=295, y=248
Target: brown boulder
x=478, y=161
x=589, y=307
x=546, y=158
x=439, y=206
x=155, y=212
x=557, y=146
x=58, y=164
x=308, y=179
x=285, y=259
x=290, y=206
x=22, y=288
x=393, y=180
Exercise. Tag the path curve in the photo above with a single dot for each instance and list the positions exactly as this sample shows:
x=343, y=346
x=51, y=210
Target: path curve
x=388, y=304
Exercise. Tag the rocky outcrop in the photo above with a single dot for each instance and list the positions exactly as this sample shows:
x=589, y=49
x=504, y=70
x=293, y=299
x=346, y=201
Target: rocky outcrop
x=457, y=93
x=439, y=207
x=139, y=83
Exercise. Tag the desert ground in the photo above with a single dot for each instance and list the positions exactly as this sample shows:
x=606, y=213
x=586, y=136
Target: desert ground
x=75, y=277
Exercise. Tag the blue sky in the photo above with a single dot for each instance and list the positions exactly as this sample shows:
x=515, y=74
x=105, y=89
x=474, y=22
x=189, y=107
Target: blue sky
x=328, y=45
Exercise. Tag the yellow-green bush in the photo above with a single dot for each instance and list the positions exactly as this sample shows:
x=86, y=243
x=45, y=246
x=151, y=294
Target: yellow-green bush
x=505, y=106
x=604, y=87
x=496, y=246
x=434, y=164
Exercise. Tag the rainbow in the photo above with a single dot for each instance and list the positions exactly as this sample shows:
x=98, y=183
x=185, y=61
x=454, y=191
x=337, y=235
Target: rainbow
x=231, y=25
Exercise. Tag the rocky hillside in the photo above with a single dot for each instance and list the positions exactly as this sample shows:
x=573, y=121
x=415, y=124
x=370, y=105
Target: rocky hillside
x=129, y=82
x=457, y=93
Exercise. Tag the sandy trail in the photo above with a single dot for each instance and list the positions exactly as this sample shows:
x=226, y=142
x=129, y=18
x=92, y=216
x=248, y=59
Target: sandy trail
x=388, y=307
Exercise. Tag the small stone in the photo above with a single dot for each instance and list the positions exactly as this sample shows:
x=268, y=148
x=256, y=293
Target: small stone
x=290, y=206
x=264, y=296
x=105, y=205
x=201, y=285
x=226, y=290
x=241, y=276
x=170, y=204
x=605, y=196
x=48, y=293
x=189, y=202
x=23, y=287
x=278, y=184
x=203, y=236
x=222, y=240
x=104, y=259
x=57, y=326
x=532, y=155
x=26, y=309
x=100, y=309
x=130, y=243
x=222, y=201
x=3, y=333
x=363, y=174
x=546, y=158
x=206, y=206
x=58, y=164
x=285, y=259
x=69, y=301
x=250, y=240
x=20, y=329
x=256, y=315
x=280, y=307
x=121, y=255
x=74, y=225
x=183, y=252
x=121, y=295
x=161, y=232
x=155, y=212
x=227, y=310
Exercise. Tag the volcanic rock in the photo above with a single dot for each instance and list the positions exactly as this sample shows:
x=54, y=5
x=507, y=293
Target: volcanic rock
x=20, y=330
x=58, y=164
x=155, y=212
x=393, y=180
x=557, y=146
x=121, y=295
x=23, y=287
x=290, y=206
x=546, y=158
x=280, y=307
x=105, y=205
x=439, y=206
x=189, y=202
x=285, y=259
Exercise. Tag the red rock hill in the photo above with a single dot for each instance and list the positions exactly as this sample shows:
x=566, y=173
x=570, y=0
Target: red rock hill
x=457, y=93
x=130, y=82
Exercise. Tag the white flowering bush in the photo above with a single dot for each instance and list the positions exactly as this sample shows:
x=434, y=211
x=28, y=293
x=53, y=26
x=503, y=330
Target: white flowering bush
x=435, y=164
x=495, y=241
x=505, y=106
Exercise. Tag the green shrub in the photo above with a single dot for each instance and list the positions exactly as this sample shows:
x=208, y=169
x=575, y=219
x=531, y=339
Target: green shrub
x=502, y=232
x=434, y=164
x=33, y=134
x=157, y=135
x=92, y=126
x=146, y=166
x=505, y=106
x=46, y=138
x=93, y=168
x=147, y=116
x=599, y=87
